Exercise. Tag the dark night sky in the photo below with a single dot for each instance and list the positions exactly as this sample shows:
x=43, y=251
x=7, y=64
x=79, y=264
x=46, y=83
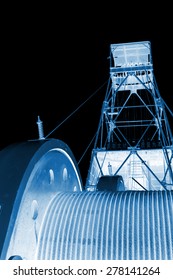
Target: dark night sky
x=54, y=59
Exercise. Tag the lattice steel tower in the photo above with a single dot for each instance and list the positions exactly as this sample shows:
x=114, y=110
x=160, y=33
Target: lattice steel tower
x=134, y=122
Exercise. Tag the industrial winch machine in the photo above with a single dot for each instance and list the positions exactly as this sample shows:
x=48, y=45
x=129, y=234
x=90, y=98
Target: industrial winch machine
x=124, y=210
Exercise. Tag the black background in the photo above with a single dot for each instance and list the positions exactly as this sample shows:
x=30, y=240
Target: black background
x=54, y=58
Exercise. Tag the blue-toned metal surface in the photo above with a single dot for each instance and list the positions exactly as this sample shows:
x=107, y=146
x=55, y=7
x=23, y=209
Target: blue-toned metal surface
x=128, y=225
x=125, y=209
x=31, y=173
x=134, y=136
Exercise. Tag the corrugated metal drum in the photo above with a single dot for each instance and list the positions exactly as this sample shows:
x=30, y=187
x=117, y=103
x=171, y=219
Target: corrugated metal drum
x=128, y=225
